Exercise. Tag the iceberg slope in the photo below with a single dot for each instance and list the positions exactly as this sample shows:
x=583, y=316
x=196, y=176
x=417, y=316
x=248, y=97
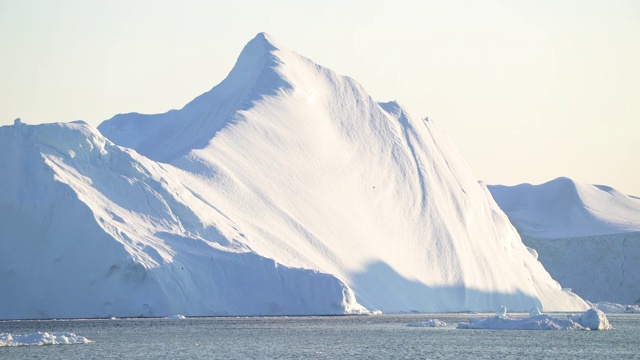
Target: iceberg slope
x=316, y=174
x=90, y=229
x=587, y=236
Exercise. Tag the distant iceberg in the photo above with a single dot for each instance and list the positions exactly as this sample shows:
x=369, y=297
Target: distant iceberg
x=586, y=236
x=42, y=338
x=284, y=190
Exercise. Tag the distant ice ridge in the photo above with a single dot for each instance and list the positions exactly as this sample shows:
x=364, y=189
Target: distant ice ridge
x=284, y=190
x=42, y=338
x=586, y=236
x=592, y=319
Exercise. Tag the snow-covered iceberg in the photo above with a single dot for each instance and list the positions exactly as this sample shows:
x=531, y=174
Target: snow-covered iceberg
x=42, y=338
x=586, y=236
x=286, y=189
x=592, y=319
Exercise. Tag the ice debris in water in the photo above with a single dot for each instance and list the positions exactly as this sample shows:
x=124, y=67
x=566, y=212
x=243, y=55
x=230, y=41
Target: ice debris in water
x=176, y=317
x=429, y=323
x=502, y=311
x=42, y=338
x=592, y=319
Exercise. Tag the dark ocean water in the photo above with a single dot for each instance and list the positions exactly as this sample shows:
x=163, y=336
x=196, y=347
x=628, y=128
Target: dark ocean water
x=347, y=337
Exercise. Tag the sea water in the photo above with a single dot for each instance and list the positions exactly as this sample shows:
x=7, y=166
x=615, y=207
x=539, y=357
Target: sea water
x=352, y=337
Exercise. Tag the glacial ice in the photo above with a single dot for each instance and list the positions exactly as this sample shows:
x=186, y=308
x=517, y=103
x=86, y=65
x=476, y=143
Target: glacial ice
x=284, y=190
x=586, y=236
x=42, y=338
x=592, y=319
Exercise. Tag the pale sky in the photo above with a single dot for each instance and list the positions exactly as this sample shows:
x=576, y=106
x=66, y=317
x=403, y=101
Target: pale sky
x=527, y=90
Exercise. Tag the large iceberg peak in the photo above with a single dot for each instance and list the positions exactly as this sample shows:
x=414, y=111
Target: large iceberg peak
x=315, y=174
x=256, y=74
x=264, y=41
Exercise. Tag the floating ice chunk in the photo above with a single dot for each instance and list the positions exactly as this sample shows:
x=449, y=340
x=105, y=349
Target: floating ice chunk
x=535, y=312
x=176, y=317
x=42, y=338
x=429, y=323
x=592, y=319
x=502, y=311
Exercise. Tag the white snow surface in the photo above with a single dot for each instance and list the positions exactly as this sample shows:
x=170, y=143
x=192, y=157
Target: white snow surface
x=42, y=338
x=586, y=236
x=286, y=189
x=592, y=319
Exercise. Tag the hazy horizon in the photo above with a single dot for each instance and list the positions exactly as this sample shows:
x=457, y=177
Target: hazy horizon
x=528, y=92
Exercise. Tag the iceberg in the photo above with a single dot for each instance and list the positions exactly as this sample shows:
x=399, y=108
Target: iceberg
x=586, y=236
x=284, y=190
x=593, y=319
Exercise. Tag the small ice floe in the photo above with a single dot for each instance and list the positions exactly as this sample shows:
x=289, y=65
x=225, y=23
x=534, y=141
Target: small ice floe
x=176, y=317
x=592, y=319
x=42, y=338
x=429, y=323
